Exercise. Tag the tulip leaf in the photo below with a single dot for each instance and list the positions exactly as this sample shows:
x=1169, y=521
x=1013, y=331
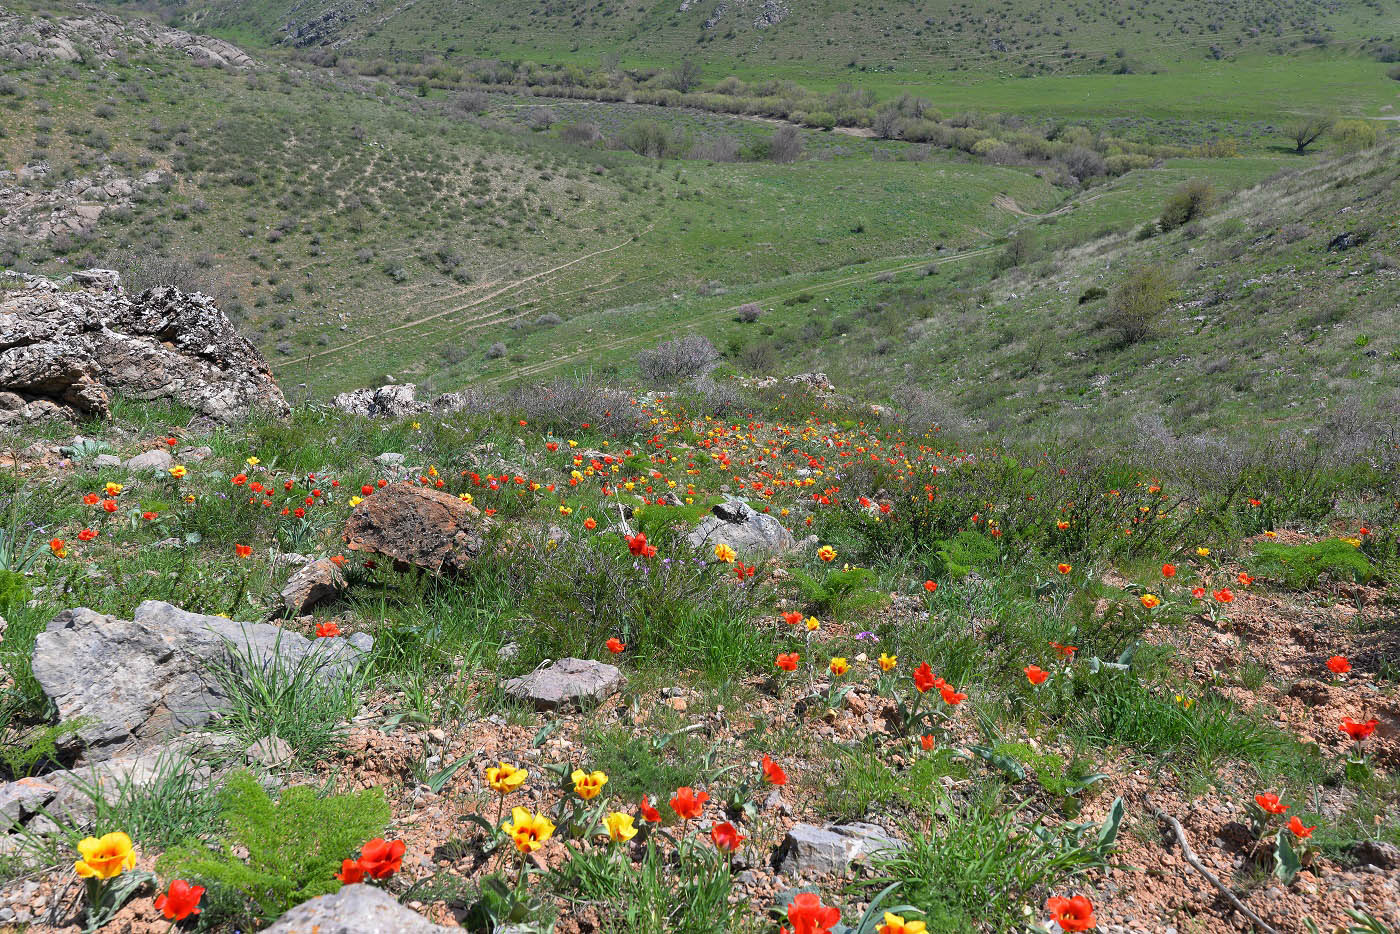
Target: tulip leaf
x=544, y=733
x=437, y=780
x=1286, y=862
x=1108, y=830
x=1002, y=761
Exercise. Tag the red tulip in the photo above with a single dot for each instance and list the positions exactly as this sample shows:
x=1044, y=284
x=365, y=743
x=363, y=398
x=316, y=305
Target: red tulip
x=808, y=915
x=689, y=804
x=924, y=679
x=726, y=837
x=180, y=901
x=1358, y=731
x=1071, y=914
x=1035, y=675
x=1268, y=803
x=773, y=773
x=380, y=858
x=351, y=872
x=1338, y=664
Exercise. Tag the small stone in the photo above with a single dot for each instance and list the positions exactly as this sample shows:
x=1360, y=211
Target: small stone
x=311, y=584
x=271, y=752
x=355, y=909
x=567, y=682
x=390, y=459
x=156, y=460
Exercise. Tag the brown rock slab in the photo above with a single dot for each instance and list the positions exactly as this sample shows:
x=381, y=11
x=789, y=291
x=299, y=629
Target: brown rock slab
x=417, y=526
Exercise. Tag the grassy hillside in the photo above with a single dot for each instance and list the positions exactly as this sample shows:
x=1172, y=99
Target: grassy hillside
x=1023, y=37
x=1264, y=326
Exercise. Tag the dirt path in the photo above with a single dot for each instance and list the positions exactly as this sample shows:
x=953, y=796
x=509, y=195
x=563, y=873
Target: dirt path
x=379, y=335
x=690, y=325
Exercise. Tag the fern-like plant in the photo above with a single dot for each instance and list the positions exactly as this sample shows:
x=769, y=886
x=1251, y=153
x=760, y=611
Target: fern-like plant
x=294, y=844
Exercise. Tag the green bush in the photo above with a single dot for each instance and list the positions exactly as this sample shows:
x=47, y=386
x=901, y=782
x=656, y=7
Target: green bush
x=959, y=555
x=838, y=592
x=295, y=845
x=1298, y=567
x=1188, y=202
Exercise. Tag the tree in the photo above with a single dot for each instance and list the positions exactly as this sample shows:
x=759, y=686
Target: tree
x=1305, y=131
x=686, y=75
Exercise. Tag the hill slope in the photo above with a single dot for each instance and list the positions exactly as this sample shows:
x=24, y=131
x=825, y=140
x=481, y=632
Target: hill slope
x=1028, y=36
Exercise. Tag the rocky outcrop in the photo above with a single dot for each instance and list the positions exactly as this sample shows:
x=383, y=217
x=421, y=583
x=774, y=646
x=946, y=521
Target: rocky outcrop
x=749, y=532
x=102, y=37
x=65, y=351
x=355, y=909
x=393, y=401
x=133, y=683
x=397, y=400
x=40, y=206
x=569, y=682
x=416, y=526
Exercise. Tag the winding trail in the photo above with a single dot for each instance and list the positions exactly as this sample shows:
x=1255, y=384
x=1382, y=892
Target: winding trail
x=417, y=322
x=695, y=320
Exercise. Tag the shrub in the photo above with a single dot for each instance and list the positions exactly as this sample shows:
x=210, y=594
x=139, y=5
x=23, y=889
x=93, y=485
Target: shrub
x=295, y=845
x=649, y=138
x=581, y=133
x=675, y=360
x=1140, y=300
x=1084, y=163
x=471, y=102
x=749, y=312
x=1298, y=567
x=786, y=144
x=1191, y=199
x=542, y=118
x=956, y=557
x=1352, y=135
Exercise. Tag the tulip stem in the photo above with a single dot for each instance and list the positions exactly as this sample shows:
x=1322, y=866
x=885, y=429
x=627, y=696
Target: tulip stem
x=1197, y=865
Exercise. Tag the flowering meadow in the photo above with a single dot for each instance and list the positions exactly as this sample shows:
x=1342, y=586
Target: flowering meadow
x=977, y=686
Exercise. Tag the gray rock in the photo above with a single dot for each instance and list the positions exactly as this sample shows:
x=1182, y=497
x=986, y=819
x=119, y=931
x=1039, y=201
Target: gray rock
x=741, y=527
x=830, y=850
x=67, y=352
x=271, y=752
x=567, y=682
x=156, y=460
x=106, y=460
x=1376, y=853
x=393, y=401
x=355, y=909
x=390, y=459
x=310, y=584
x=19, y=799
x=141, y=680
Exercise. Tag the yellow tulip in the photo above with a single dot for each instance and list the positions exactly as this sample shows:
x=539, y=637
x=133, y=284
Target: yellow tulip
x=724, y=553
x=505, y=778
x=528, y=831
x=588, y=784
x=619, y=827
x=106, y=858
x=887, y=662
x=894, y=924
